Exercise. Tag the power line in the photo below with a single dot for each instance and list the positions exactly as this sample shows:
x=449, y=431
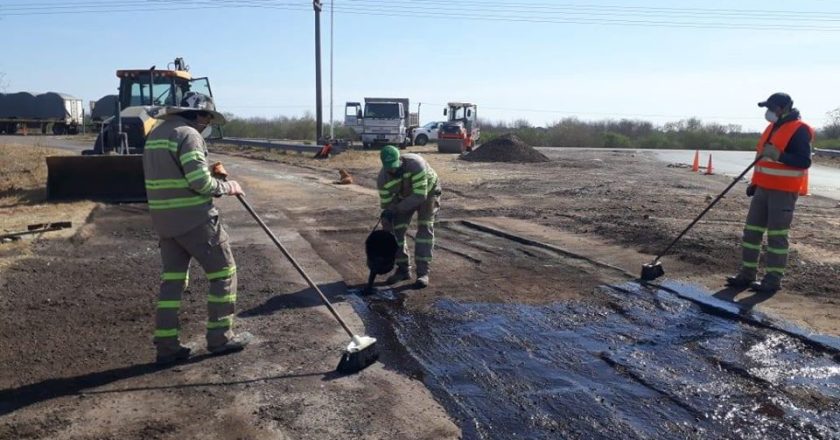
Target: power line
x=558, y=14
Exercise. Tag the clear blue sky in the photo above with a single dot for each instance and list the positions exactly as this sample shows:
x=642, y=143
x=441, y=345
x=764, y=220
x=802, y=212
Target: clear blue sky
x=517, y=59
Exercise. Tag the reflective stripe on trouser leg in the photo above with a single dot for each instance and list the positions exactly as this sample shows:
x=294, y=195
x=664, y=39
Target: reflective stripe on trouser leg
x=781, y=205
x=209, y=245
x=754, y=232
x=399, y=228
x=176, y=263
x=425, y=239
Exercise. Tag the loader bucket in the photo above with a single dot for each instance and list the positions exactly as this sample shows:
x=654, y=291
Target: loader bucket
x=106, y=178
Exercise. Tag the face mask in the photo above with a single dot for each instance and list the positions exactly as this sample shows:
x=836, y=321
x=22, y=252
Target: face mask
x=771, y=116
x=208, y=130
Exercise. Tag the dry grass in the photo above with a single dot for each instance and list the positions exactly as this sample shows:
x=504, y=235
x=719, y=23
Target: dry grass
x=23, y=178
x=827, y=161
x=23, y=173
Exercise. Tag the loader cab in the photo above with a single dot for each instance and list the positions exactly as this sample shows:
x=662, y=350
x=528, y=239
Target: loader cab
x=158, y=87
x=139, y=90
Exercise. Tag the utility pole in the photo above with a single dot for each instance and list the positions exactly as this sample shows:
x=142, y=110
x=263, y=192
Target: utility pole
x=332, y=26
x=319, y=119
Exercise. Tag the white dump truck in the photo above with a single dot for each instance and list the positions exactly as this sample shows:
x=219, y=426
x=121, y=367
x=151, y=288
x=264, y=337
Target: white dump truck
x=382, y=121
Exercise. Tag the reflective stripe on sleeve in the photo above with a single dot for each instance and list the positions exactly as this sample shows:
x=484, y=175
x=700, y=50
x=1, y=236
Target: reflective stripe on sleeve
x=191, y=156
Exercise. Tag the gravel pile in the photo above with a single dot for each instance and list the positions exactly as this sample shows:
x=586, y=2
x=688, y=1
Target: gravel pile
x=507, y=148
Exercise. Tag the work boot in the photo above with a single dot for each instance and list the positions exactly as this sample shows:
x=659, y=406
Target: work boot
x=741, y=279
x=401, y=274
x=236, y=343
x=169, y=356
x=422, y=281
x=769, y=284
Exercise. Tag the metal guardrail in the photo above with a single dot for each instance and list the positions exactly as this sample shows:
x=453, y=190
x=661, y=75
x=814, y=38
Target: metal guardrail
x=276, y=145
x=826, y=153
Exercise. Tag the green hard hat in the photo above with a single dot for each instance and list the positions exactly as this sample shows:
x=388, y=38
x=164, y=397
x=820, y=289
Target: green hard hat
x=390, y=157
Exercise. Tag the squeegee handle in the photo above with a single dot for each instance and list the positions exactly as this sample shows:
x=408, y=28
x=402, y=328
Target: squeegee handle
x=294, y=263
x=714, y=202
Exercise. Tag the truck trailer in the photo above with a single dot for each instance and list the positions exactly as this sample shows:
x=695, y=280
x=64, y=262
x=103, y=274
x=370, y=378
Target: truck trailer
x=59, y=112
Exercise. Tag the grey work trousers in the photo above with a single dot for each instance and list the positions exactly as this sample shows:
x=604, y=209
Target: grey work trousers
x=208, y=244
x=771, y=211
x=424, y=242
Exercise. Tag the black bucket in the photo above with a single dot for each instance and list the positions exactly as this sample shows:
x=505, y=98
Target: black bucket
x=381, y=250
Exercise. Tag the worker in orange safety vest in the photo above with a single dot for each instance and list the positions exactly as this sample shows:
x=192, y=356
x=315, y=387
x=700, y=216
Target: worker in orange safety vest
x=784, y=152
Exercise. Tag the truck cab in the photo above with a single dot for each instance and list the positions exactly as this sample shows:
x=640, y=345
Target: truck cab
x=385, y=121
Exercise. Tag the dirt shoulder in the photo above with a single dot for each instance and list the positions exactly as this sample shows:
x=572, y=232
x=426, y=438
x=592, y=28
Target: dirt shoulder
x=23, y=173
x=622, y=200
x=827, y=161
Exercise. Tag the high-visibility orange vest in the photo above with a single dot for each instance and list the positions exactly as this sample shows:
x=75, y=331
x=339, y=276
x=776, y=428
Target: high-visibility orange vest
x=770, y=174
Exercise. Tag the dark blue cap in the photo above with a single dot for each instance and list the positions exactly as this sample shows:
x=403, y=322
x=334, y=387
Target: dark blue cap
x=781, y=100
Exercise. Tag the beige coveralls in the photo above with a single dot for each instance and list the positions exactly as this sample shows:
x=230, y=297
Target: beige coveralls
x=414, y=189
x=180, y=190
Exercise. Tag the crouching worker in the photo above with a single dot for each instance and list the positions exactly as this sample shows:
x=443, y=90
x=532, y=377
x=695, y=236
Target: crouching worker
x=180, y=190
x=407, y=184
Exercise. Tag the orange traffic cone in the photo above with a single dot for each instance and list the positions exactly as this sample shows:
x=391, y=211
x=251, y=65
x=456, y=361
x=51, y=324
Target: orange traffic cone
x=695, y=167
x=709, y=168
x=805, y=190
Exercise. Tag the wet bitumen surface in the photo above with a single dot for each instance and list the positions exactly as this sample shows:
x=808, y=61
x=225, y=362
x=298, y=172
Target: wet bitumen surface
x=629, y=362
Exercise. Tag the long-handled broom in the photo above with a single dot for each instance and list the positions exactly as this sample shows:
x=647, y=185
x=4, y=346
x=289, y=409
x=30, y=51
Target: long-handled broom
x=654, y=270
x=361, y=352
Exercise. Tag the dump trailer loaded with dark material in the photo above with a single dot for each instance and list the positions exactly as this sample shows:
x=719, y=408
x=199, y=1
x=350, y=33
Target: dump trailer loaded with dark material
x=112, y=170
x=56, y=112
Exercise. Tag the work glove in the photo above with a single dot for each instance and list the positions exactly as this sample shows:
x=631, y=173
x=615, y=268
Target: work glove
x=234, y=189
x=750, y=190
x=771, y=152
x=388, y=215
x=218, y=170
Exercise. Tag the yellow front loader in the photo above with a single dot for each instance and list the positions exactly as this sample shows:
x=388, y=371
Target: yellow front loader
x=112, y=170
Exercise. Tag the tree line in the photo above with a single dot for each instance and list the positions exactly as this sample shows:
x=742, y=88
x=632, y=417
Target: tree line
x=691, y=133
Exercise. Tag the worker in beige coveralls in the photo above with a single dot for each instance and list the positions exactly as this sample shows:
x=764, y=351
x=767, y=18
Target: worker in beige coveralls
x=180, y=189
